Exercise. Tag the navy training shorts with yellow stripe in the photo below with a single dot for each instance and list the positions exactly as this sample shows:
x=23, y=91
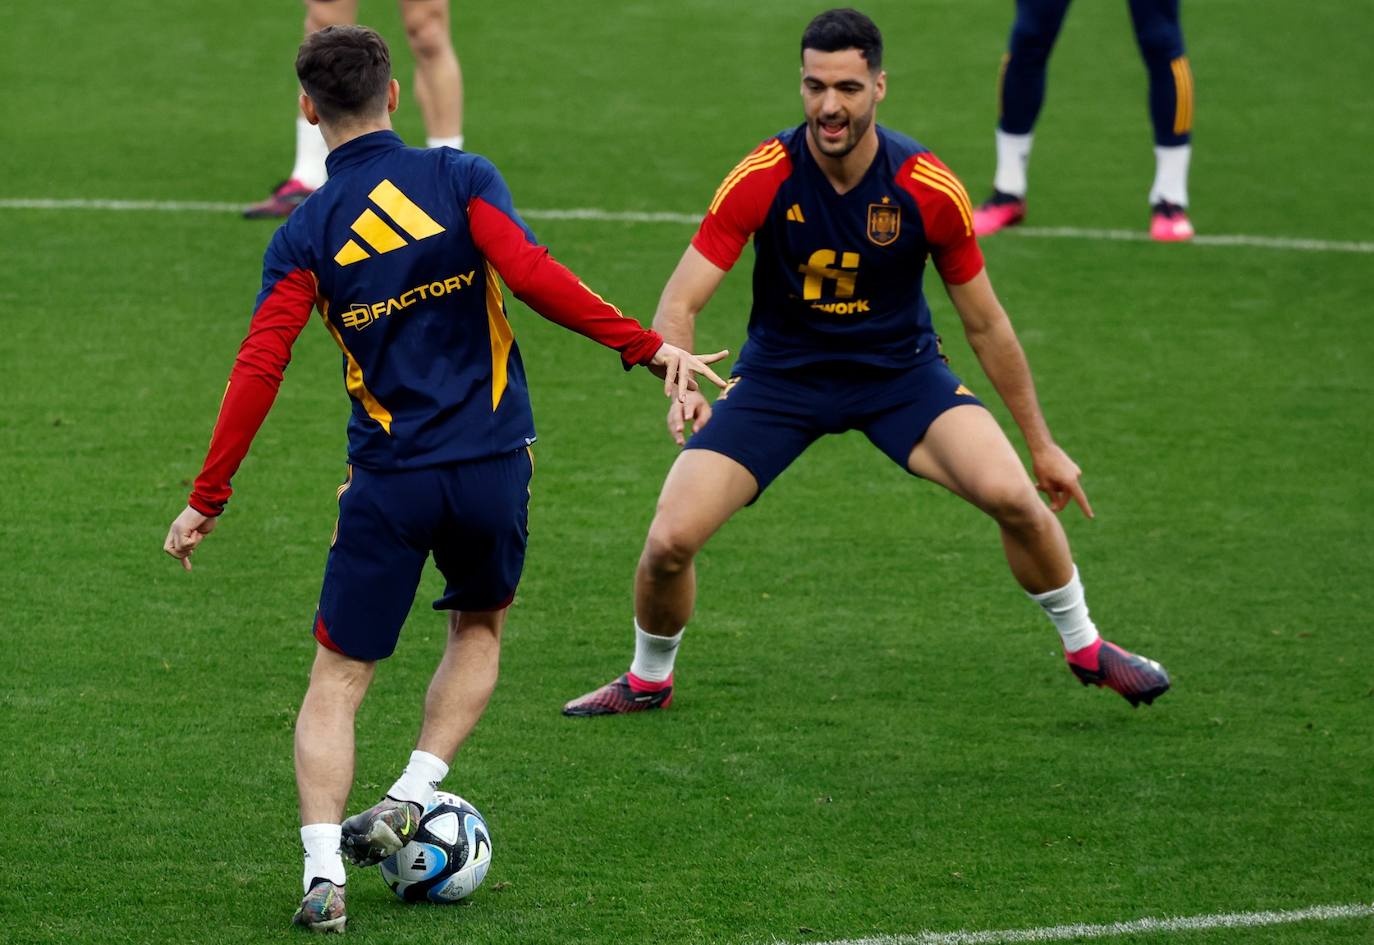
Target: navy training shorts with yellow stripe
x=765, y=420
x=473, y=516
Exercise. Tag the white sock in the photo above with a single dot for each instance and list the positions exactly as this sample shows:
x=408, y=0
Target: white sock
x=1013, y=154
x=1171, y=175
x=421, y=776
x=310, y=154
x=1068, y=610
x=456, y=142
x=654, y=655
x=322, y=857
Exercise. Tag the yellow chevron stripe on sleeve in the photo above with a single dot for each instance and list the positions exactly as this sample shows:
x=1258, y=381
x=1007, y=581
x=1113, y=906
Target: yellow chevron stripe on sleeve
x=597, y=295
x=403, y=210
x=769, y=150
x=378, y=235
x=945, y=189
x=742, y=169
x=949, y=178
x=766, y=158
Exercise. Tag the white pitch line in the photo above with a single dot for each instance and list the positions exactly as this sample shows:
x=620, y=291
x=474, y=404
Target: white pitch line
x=1134, y=236
x=1060, y=933
x=689, y=219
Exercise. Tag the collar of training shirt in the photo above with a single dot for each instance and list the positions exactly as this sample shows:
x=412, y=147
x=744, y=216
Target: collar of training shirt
x=360, y=149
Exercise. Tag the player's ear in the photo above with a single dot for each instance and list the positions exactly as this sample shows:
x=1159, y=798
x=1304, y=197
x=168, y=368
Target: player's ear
x=393, y=95
x=308, y=110
x=880, y=86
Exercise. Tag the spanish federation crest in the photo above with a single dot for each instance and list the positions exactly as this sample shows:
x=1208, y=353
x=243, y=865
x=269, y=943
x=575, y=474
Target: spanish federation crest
x=884, y=223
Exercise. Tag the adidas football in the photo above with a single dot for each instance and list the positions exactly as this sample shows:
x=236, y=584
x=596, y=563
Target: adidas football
x=447, y=858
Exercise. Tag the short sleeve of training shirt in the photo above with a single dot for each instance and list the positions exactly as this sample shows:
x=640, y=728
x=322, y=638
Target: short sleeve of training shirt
x=947, y=215
x=740, y=205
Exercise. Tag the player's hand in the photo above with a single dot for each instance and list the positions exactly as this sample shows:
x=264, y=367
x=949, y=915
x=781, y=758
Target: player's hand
x=1057, y=476
x=678, y=367
x=691, y=413
x=187, y=531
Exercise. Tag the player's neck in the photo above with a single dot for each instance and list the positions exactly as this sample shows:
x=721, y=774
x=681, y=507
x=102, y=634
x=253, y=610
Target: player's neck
x=338, y=135
x=844, y=173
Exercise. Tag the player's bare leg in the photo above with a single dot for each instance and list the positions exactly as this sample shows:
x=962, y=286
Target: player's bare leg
x=324, y=734
x=702, y=491
x=324, y=774
x=438, y=74
x=966, y=451
x=463, y=683
x=457, y=696
x=308, y=172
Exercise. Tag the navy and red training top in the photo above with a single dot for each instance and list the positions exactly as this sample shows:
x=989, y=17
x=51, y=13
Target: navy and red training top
x=404, y=252
x=837, y=277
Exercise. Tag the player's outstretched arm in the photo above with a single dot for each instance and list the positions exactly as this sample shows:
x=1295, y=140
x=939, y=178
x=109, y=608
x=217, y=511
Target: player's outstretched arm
x=187, y=531
x=993, y=340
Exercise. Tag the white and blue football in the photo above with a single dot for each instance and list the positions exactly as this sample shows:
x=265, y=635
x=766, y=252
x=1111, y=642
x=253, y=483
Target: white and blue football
x=448, y=857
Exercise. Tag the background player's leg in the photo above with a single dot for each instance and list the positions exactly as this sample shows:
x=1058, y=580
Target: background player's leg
x=703, y=489
x=308, y=172
x=965, y=451
x=438, y=75
x=1020, y=93
x=1160, y=37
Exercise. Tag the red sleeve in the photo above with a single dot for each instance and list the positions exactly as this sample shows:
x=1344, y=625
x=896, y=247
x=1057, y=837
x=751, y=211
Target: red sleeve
x=741, y=203
x=253, y=384
x=946, y=214
x=551, y=289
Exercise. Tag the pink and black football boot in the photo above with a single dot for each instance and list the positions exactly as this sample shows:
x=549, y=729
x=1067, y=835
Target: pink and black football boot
x=1169, y=223
x=625, y=693
x=285, y=197
x=1137, y=678
x=998, y=212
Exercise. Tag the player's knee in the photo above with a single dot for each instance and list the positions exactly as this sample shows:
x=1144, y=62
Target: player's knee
x=668, y=551
x=1014, y=504
x=428, y=36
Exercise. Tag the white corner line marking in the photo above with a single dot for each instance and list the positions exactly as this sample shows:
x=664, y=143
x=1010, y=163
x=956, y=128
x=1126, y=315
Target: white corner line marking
x=595, y=214
x=1060, y=933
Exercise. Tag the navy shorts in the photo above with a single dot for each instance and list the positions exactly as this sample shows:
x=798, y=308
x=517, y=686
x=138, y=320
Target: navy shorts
x=764, y=421
x=472, y=516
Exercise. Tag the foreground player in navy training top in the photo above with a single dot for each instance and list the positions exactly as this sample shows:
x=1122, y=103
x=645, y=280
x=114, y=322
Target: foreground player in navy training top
x=403, y=252
x=843, y=214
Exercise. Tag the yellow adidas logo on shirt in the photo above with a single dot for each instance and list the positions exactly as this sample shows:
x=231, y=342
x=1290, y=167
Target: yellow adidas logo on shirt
x=378, y=234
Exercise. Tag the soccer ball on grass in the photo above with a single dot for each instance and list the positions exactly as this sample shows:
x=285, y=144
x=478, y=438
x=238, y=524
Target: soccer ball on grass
x=447, y=858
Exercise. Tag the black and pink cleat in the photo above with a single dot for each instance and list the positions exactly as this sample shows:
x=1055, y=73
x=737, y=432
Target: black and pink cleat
x=285, y=197
x=1137, y=678
x=625, y=693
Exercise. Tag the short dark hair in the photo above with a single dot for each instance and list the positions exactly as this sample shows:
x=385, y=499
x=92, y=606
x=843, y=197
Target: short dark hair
x=845, y=28
x=345, y=70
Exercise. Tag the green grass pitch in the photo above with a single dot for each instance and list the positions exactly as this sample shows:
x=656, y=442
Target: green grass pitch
x=874, y=733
